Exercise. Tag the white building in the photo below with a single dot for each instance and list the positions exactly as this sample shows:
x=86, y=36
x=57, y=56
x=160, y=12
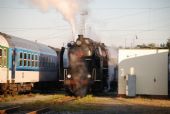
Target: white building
x=150, y=68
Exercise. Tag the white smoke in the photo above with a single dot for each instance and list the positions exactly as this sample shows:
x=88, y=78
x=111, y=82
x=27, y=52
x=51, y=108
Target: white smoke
x=68, y=8
x=113, y=53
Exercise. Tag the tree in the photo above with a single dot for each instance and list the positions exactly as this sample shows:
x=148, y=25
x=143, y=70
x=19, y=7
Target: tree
x=168, y=45
x=152, y=45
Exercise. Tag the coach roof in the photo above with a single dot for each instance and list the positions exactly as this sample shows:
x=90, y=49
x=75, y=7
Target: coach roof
x=15, y=42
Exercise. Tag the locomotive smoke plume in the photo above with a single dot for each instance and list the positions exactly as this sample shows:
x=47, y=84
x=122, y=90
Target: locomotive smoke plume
x=78, y=71
x=68, y=8
x=112, y=65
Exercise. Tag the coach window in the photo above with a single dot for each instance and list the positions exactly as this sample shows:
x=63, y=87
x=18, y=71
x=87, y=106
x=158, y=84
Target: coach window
x=20, y=61
x=29, y=60
x=0, y=57
x=50, y=61
x=45, y=61
x=25, y=59
x=36, y=60
x=39, y=61
x=33, y=62
x=53, y=62
x=5, y=57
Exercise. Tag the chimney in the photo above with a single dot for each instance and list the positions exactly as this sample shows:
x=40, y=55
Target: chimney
x=80, y=36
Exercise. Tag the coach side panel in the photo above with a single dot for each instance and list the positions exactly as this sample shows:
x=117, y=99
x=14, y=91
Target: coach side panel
x=34, y=67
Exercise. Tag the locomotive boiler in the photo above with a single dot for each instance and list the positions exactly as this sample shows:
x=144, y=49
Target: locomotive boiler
x=84, y=66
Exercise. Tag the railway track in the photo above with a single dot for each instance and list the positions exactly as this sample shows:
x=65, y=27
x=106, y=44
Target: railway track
x=16, y=110
x=67, y=99
x=44, y=110
x=9, y=110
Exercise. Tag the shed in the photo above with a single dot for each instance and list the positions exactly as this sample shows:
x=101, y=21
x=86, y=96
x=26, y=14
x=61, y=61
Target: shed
x=150, y=67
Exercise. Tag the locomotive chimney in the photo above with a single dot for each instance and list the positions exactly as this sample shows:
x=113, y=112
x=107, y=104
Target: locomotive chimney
x=80, y=36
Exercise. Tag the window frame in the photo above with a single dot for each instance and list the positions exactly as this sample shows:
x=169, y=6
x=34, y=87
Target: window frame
x=5, y=53
x=29, y=59
x=25, y=59
x=32, y=60
x=36, y=60
x=4, y=57
x=21, y=58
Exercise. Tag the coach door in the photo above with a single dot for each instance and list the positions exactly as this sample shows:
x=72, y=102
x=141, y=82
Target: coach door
x=3, y=64
x=13, y=65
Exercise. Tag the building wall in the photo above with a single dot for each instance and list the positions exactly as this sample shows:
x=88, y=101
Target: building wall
x=150, y=67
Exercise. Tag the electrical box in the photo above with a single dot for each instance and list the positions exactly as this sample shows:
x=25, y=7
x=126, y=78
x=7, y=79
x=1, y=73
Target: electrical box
x=131, y=85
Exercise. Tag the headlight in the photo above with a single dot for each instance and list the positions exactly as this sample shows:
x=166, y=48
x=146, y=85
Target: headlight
x=88, y=76
x=68, y=76
x=89, y=53
x=78, y=43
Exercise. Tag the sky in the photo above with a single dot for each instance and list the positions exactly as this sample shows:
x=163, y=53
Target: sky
x=113, y=22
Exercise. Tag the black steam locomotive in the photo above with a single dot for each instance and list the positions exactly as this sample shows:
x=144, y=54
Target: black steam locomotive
x=84, y=66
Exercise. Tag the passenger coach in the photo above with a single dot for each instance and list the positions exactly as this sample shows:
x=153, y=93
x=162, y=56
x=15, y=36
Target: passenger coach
x=24, y=63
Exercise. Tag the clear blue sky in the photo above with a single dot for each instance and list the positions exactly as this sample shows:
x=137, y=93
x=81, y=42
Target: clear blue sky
x=111, y=22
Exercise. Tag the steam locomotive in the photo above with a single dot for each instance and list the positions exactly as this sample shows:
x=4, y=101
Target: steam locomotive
x=84, y=66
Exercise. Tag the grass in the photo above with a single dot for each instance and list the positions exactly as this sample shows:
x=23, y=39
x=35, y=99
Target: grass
x=54, y=103
x=147, y=101
x=16, y=97
x=88, y=103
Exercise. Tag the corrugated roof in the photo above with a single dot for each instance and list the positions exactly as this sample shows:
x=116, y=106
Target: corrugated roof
x=15, y=42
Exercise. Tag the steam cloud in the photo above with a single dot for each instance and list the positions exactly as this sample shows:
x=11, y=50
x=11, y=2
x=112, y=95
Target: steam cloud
x=113, y=53
x=68, y=8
